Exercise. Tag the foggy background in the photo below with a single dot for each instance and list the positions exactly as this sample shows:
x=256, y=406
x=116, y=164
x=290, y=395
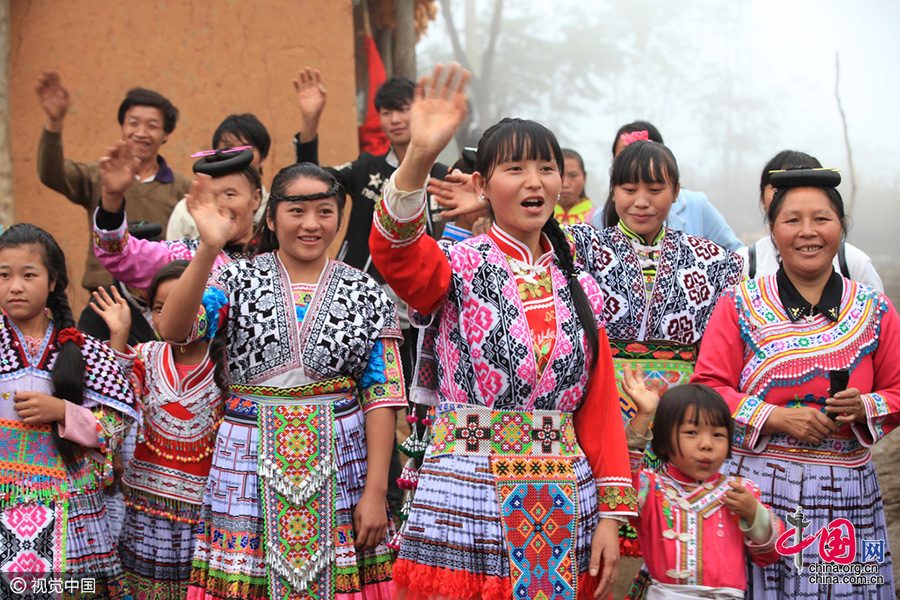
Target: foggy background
x=728, y=84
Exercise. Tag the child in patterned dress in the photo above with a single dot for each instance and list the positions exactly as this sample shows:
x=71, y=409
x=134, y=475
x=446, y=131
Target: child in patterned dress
x=65, y=406
x=181, y=397
x=695, y=525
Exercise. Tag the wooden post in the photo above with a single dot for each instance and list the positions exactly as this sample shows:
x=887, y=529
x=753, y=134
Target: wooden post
x=404, y=59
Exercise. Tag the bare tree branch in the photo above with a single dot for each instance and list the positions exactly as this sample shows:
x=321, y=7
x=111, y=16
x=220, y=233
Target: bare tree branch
x=487, y=60
x=461, y=57
x=837, y=96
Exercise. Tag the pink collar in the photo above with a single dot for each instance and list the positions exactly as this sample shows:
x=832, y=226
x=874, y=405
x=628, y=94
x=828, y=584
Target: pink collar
x=519, y=251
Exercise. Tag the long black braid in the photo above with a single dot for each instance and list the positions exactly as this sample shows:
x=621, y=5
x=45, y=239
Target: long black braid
x=582, y=305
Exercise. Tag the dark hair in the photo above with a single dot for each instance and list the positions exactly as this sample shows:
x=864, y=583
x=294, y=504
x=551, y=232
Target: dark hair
x=652, y=132
x=639, y=162
x=217, y=346
x=520, y=139
x=264, y=239
x=167, y=272
x=672, y=411
x=834, y=197
x=466, y=161
x=569, y=153
x=248, y=129
x=516, y=139
x=68, y=369
x=394, y=94
x=144, y=97
x=786, y=159
x=222, y=162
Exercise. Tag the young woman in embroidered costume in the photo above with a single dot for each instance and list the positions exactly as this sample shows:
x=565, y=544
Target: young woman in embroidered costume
x=235, y=184
x=64, y=406
x=695, y=524
x=770, y=350
x=660, y=285
x=295, y=503
x=516, y=497
x=181, y=401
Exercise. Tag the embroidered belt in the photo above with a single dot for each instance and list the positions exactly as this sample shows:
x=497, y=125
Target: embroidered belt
x=652, y=350
x=836, y=451
x=242, y=405
x=468, y=429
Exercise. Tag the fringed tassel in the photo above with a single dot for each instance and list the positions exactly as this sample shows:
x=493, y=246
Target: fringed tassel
x=167, y=508
x=298, y=492
x=300, y=577
x=422, y=582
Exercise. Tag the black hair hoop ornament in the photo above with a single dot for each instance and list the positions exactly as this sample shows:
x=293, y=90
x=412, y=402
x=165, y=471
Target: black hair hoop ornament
x=791, y=178
x=217, y=163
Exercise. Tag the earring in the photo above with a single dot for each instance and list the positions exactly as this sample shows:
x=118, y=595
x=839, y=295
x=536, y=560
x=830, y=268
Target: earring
x=482, y=198
x=557, y=197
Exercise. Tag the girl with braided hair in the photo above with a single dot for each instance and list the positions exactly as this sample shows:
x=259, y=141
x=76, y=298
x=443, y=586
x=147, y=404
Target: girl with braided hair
x=526, y=477
x=295, y=502
x=64, y=407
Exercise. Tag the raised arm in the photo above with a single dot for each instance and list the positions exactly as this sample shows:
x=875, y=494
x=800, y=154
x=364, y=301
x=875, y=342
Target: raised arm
x=54, y=100
x=71, y=179
x=311, y=98
x=128, y=259
x=216, y=227
x=438, y=108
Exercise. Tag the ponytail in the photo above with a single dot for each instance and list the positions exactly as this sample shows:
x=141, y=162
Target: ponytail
x=582, y=305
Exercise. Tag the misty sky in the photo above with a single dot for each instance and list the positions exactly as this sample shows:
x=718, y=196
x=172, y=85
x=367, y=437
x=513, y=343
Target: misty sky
x=729, y=84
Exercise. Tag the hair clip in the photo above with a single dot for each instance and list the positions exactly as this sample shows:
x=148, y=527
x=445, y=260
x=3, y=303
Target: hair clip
x=630, y=137
x=203, y=153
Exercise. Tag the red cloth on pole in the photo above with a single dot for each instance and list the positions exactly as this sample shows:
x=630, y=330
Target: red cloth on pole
x=371, y=137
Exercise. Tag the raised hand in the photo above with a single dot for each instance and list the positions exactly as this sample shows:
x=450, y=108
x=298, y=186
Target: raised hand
x=645, y=399
x=456, y=194
x=216, y=225
x=115, y=312
x=439, y=106
x=311, y=93
x=117, y=170
x=54, y=98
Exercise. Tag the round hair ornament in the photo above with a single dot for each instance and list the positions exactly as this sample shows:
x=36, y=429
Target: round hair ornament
x=791, y=178
x=217, y=163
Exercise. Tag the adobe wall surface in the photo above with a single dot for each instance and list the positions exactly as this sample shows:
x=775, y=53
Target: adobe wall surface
x=211, y=58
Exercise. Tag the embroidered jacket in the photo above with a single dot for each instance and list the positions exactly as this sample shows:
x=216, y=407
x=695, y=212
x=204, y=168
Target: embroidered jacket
x=180, y=420
x=687, y=534
x=135, y=261
x=691, y=272
x=759, y=359
x=348, y=313
x=486, y=350
x=31, y=466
